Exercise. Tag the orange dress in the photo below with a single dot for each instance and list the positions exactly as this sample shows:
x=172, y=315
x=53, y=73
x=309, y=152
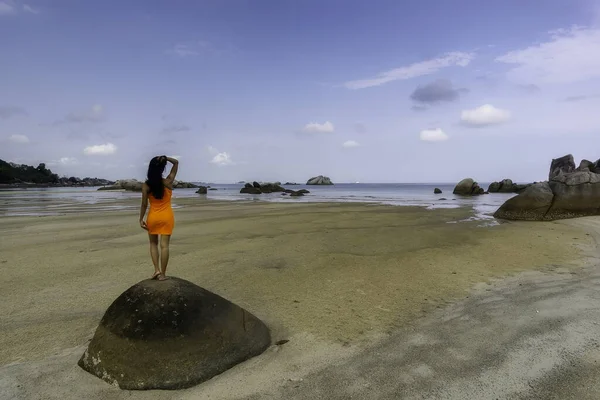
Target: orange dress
x=161, y=220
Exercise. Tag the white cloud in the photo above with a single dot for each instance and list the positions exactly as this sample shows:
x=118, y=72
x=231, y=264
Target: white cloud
x=29, y=9
x=414, y=70
x=350, y=143
x=433, y=135
x=315, y=127
x=7, y=8
x=220, y=158
x=485, y=115
x=571, y=55
x=100, y=149
x=21, y=139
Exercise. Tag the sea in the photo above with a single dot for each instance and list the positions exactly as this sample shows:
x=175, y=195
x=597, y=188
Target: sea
x=66, y=200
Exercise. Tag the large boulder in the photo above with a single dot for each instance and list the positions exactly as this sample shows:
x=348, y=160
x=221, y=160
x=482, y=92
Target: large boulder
x=202, y=190
x=171, y=334
x=562, y=165
x=319, y=180
x=271, y=187
x=468, y=187
x=576, y=194
x=437, y=190
x=250, y=190
x=571, y=192
x=586, y=165
x=531, y=205
x=130, y=184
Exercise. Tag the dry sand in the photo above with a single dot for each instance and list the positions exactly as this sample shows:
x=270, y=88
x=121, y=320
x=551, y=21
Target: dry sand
x=336, y=280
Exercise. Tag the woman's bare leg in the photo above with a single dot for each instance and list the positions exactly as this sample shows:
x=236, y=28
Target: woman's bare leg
x=164, y=255
x=154, y=253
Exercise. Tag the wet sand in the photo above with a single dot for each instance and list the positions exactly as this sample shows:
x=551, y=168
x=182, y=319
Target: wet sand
x=334, y=279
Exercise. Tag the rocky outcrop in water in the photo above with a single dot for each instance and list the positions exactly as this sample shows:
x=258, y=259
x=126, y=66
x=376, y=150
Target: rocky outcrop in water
x=171, y=334
x=437, y=190
x=319, y=180
x=260, y=188
x=202, y=190
x=468, y=187
x=570, y=192
x=266, y=188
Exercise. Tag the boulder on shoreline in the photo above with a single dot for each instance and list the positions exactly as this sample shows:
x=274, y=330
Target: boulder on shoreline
x=171, y=334
x=468, y=187
x=319, y=180
x=570, y=192
x=437, y=190
x=202, y=190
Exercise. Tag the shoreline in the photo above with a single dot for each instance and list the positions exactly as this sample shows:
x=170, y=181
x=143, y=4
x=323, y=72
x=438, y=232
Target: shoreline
x=132, y=203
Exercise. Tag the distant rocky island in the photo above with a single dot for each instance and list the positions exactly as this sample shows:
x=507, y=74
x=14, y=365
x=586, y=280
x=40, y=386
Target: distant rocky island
x=319, y=180
x=21, y=175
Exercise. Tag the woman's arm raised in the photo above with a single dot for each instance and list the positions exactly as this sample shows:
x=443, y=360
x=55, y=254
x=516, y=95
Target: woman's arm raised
x=174, y=169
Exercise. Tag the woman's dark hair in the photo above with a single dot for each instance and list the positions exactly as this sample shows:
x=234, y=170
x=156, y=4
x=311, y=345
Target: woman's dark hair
x=155, y=176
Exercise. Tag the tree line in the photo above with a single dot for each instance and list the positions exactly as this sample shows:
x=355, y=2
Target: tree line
x=16, y=173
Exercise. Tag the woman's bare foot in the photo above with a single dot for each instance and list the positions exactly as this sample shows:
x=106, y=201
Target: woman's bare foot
x=155, y=275
x=162, y=277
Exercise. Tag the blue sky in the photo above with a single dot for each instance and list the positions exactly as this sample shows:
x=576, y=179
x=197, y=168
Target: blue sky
x=377, y=91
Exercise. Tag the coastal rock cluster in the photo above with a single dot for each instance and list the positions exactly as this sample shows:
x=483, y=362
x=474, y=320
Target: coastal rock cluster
x=171, y=334
x=271, y=187
x=125, y=184
x=74, y=181
x=506, y=186
x=468, y=187
x=569, y=192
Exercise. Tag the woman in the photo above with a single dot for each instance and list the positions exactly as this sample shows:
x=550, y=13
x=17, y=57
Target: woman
x=160, y=220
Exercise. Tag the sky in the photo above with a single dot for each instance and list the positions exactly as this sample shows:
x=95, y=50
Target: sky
x=280, y=90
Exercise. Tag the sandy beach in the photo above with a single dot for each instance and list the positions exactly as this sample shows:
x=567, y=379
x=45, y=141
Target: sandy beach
x=339, y=281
